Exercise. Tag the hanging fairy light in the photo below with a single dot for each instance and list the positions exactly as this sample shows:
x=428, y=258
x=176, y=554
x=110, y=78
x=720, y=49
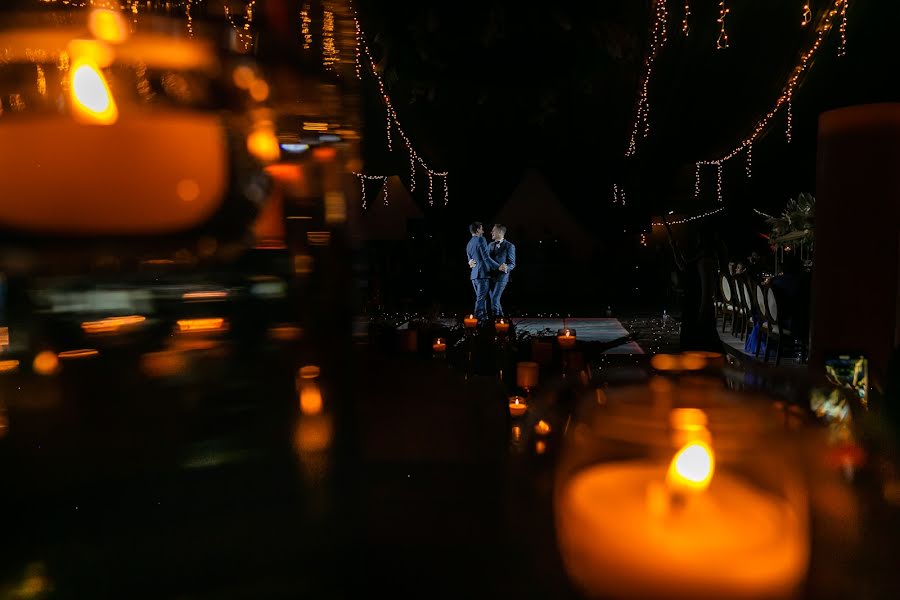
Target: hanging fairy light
x=696, y=180
x=446, y=190
x=363, y=178
x=358, y=38
x=685, y=28
x=807, y=15
x=412, y=173
x=306, y=31
x=842, y=49
x=689, y=219
x=393, y=122
x=329, y=49
x=188, y=4
x=789, y=122
x=245, y=36
x=719, y=182
x=615, y=193
x=657, y=41
x=825, y=24
x=722, y=41
x=41, y=81
x=762, y=214
x=749, y=161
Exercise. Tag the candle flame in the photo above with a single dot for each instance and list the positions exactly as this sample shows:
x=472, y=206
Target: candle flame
x=692, y=467
x=92, y=99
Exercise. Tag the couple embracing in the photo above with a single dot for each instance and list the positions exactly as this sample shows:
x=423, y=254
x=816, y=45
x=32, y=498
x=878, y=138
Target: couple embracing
x=491, y=265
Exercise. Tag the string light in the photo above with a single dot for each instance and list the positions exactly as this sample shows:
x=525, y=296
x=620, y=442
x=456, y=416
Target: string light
x=722, y=42
x=685, y=29
x=358, y=61
x=446, y=190
x=749, y=161
x=329, y=49
x=41, y=81
x=615, y=193
x=689, y=219
x=719, y=182
x=190, y=19
x=762, y=214
x=305, y=31
x=807, y=15
x=787, y=91
x=393, y=122
x=842, y=49
x=622, y=195
x=243, y=33
x=789, y=123
x=657, y=41
x=696, y=180
x=362, y=182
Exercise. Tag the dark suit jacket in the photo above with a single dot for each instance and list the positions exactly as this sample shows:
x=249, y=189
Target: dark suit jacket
x=504, y=253
x=477, y=249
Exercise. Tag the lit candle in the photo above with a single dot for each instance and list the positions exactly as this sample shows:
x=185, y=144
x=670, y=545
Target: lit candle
x=439, y=346
x=517, y=406
x=647, y=529
x=566, y=339
x=502, y=326
x=542, y=428
x=470, y=322
x=527, y=375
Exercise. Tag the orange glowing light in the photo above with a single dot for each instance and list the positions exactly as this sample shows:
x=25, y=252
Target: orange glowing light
x=199, y=325
x=692, y=467
x=45, y=363
x=263, y=144
x=324, y=153
x=310, y=398
x=9, y=366
x=309, y=372
x=285, y=333
x=542, y=427
x=211, y=295
x=82, y=353
x=540, y=447
x=108, y=25
x=92, y=100
x=665, y=362
x=112, y=324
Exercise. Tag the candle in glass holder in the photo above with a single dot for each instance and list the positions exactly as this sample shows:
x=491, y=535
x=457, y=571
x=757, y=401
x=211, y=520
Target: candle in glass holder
x=542, y=428
x=502, y=325
x=439, y=346
x=684, y=528
x=470, y=322
x=517, y=406
x=566, y=339
x=527, y=375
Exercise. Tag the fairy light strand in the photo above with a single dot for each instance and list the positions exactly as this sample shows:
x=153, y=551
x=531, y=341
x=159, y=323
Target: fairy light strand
x=749, y=161
x=722, y=41
x=615, y=193
x=306, y=31
x=330, y=53
x=719, y=182
x=842, y=49
x=685, y=26
x=696, y=180
x=783, y=101
x=689, y=219
x=762, y=214
x=363, y=178
x=657, y=41
x=393, y=122
x=188, y=4
x=807, y=15
x=358, y=58
x=789, y=122
x=41, y=81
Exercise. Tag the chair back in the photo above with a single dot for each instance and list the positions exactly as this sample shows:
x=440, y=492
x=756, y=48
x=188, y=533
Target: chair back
x=772, y=303
x=725, y=285
x=761, y=300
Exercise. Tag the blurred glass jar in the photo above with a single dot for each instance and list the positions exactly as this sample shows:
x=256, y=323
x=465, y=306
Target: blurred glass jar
x=132, y=133
x=682, y=489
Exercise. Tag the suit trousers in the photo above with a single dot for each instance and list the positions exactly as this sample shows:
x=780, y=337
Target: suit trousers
x=496, y=293
x=482, y=293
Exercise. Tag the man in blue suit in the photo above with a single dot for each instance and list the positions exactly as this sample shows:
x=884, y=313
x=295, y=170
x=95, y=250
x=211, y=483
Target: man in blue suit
x=482, y=264
x=502, y=251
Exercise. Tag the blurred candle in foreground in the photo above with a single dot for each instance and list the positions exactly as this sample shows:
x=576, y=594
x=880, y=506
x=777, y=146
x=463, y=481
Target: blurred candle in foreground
x=646, y=529
x=470, y=322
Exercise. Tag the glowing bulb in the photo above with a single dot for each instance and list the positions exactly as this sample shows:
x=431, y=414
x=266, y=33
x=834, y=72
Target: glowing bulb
x=692, y=467
x=263, y=144
x=108, y=25
x=45, y=363
x=91, y=98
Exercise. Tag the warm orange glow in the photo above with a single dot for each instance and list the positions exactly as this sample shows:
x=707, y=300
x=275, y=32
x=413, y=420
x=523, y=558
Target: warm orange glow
x=517, y=406
x=4, y=338
x=108, y=25
x=665, y=362
x=163, y=364
x=112, y=324
x=45, y=363
x=542, y=427
x=516, y=433
x=692, y=362
x=303, y=264
x=692, y=467
x=259, y=90
x=285, y=333
x=92, y=100
x=197, y=325
x=324, y=153
x=212, y=295
x=313, y=433
x=470, y=322
x=540, y=447
x=310, y=398
x=309, y=372
x=318, y=238
x=439, y=345
x=83, y=353
x=9, y=366
x=243, y=77
x=263, y=144
x=315, y=126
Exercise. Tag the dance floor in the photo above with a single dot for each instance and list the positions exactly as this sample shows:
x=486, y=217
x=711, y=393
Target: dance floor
x=588, y=329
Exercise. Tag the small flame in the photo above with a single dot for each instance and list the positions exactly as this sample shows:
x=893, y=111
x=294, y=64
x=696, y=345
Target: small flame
x=692, y=467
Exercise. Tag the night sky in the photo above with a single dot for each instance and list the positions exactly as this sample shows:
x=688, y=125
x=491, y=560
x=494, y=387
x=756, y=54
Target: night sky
x=489, y=89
